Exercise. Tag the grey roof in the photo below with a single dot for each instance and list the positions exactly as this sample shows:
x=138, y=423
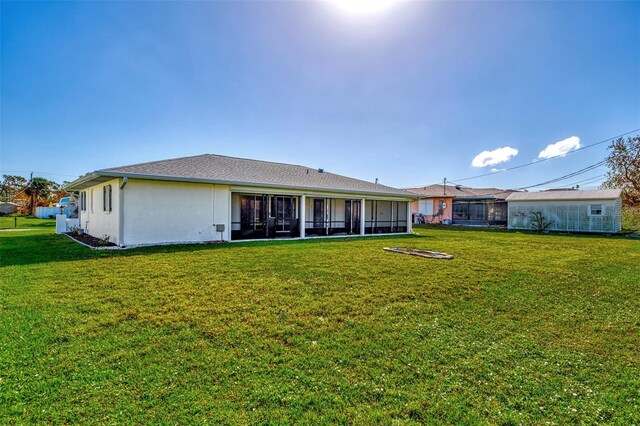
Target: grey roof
x=594, y=194
x=435, y=191
x=238, y=171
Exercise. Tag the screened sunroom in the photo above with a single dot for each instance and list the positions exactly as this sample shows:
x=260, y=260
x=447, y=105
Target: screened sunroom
x=260, y=216
x=256, y=216
x=479, y=210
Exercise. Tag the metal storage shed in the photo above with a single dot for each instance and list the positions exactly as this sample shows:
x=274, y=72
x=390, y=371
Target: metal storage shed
x=570, y=211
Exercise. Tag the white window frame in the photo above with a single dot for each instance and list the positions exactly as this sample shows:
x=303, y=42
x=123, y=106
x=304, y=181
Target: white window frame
x=425, y=207
x=83, y=201
x=91, y=203
x=599, y=207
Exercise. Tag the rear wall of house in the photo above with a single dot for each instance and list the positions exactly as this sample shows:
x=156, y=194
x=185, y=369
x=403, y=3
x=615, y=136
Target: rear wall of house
x=160, y=212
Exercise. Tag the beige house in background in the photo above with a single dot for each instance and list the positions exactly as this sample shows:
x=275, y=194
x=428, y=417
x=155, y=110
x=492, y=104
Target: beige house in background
x=217, y=198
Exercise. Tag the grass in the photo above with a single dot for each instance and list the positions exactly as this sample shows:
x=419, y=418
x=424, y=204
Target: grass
x=517, y=329
x=21, y=222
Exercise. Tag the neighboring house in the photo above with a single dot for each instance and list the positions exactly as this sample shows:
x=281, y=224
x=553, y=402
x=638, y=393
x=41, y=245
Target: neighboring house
x=433, y=203
x=460, y=205
x=7, y=207
x=570, y=210
x=217, y=198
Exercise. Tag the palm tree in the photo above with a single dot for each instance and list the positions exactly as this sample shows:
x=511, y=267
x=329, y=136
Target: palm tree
x=37, y=188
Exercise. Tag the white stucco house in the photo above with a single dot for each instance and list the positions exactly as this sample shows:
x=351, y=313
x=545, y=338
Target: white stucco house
x=597, y=211
x=217, y=198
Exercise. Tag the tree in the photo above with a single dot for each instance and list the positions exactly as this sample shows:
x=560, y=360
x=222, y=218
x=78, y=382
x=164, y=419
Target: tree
x=39, y=189
x=624, y=169
x=538, y=222
x=10, y=186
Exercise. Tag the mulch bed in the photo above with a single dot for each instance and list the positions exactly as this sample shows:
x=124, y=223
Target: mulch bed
x=89, y=240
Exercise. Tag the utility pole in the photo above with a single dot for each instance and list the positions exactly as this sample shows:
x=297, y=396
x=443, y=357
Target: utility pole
x=32, y=209
x=444, y=186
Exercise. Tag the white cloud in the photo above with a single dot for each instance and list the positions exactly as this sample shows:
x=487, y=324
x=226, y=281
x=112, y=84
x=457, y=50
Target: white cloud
x=495, y=169
x=497, y=156
x=561, y=148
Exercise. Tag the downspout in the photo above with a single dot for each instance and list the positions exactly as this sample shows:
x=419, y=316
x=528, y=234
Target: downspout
x=121, y=211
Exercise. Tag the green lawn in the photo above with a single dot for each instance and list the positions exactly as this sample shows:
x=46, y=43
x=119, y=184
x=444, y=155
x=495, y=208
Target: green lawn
x=11, y=222
x=517, y=329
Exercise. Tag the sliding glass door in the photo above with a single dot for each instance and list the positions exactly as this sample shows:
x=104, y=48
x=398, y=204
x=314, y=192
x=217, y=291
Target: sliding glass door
x=283, y=211
x=352, y=216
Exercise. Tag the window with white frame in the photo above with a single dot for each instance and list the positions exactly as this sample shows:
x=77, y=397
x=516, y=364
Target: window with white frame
x=106, y=198
x=595, y=209
x=425, y=207
x=83, y=201
x=91, y=201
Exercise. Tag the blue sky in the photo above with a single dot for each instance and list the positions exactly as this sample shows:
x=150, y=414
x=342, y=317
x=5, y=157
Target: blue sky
x=410, y=95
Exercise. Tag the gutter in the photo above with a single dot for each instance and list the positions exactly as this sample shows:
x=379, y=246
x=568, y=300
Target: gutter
x=80, y=180
x=121, y=211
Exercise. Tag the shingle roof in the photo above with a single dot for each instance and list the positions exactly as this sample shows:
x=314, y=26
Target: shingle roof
x=594, y=194
x=223, y=169
x=453, y=191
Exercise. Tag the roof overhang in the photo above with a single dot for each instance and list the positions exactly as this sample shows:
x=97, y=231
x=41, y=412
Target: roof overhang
x=555, y=200
x=479, y=197
x=577, y=195
x=88, y=180
x=98, y=177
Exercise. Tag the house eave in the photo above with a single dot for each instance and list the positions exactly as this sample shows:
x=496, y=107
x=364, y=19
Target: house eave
x=557, y=200
x=479, y=197
x=86, y=181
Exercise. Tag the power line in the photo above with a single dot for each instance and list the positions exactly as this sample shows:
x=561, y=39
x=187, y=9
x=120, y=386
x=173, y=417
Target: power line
x=42, y=173
x=567, y=176
x=555, y=180
x=588, y=181
x=455, y=181
x=548, y=158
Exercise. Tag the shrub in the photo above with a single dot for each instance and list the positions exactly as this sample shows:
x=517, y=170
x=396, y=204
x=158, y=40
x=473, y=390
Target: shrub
x=538, y=222
x=104, y=241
